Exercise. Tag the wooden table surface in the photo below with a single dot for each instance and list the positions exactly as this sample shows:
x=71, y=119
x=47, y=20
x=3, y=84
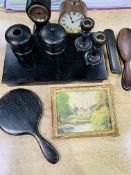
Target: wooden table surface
x=21, y=155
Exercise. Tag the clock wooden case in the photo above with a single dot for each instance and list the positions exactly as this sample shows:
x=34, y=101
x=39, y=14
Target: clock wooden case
x=71, y=13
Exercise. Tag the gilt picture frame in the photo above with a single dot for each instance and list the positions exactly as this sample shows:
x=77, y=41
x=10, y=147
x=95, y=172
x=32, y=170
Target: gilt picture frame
x=82, y=111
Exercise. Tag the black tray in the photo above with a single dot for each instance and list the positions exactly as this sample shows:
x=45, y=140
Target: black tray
x=67, y=67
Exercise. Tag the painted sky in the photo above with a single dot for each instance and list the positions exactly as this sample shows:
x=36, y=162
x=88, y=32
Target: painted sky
x=82, y=99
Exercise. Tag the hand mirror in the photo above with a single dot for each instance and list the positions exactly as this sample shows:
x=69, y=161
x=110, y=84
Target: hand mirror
x=20, y=112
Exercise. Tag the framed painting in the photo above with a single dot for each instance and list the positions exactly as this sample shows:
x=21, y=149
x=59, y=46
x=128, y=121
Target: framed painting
x=82, y=111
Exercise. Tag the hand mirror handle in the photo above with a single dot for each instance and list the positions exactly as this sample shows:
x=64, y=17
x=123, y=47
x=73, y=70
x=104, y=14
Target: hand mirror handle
x=48, y=150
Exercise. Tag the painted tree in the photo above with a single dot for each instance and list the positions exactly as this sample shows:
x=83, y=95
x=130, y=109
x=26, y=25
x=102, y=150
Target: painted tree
x=101, y=116
x=63, y=107
x=101, y=98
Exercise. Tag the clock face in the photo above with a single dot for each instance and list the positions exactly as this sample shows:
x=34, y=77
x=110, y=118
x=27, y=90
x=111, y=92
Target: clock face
x=71, y=21
x=38, y=13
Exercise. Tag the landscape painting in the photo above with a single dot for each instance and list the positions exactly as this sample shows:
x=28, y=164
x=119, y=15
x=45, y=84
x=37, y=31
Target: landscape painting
x=82, y=110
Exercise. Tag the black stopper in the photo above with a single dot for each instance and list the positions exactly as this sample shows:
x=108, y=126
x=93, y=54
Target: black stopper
x=53, y=37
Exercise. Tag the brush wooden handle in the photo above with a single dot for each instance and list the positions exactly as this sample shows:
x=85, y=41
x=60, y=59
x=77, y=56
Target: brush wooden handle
x=126, y=77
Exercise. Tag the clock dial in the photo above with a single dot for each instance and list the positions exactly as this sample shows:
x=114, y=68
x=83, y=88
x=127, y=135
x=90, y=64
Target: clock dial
x=71, y=21
x=38, y=13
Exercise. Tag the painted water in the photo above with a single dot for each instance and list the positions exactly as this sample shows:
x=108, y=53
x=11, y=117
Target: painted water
x=75, y=128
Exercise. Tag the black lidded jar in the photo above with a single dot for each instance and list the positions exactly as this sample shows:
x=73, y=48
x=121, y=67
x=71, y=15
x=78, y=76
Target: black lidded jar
x=21, y=42
x=53, y=39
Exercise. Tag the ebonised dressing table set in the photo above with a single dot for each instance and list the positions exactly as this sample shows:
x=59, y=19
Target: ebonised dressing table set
x=64, y=52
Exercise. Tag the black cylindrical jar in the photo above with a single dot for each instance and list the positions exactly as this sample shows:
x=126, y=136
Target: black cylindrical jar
x=53, y=39
x=21, y=42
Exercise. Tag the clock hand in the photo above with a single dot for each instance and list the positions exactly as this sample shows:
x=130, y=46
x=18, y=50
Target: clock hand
x=78, y=19
x=70, y=17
